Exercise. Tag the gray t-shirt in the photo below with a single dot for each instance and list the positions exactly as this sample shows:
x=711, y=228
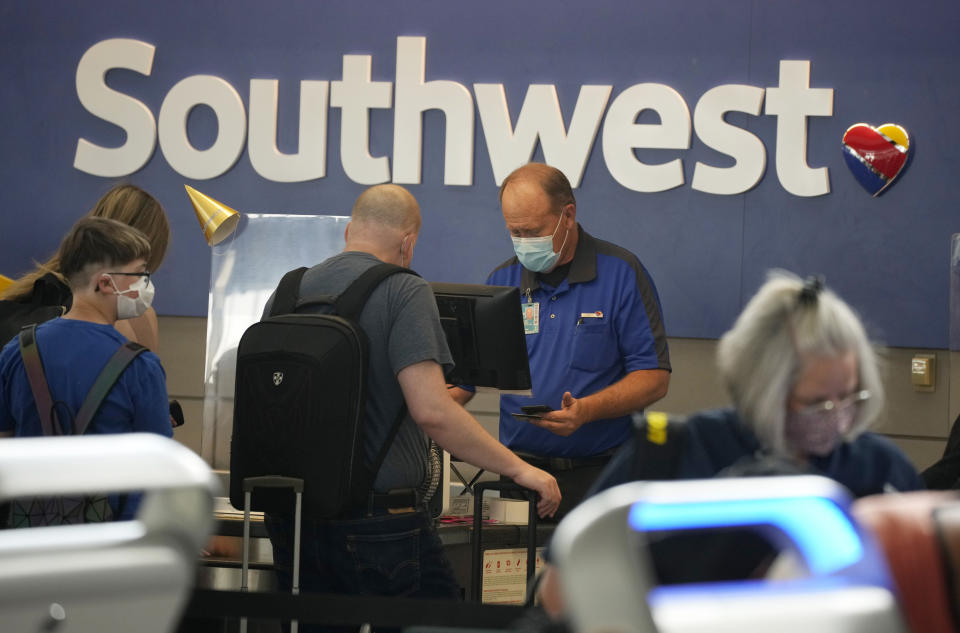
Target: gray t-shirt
x=402, y=325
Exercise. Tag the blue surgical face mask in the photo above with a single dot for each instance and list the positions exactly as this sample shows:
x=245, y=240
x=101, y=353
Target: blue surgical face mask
x=536, y=253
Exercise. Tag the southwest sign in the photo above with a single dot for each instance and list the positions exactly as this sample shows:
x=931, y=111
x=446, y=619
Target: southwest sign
x=252, y=126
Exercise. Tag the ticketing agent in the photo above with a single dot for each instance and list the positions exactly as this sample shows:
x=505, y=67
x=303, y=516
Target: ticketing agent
x=594, y=333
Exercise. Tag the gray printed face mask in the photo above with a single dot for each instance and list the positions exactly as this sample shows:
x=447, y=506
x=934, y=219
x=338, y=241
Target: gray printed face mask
x=819, y=429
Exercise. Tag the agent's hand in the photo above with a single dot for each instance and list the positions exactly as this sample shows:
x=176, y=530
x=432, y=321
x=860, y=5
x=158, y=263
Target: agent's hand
x=545, y=485
x=564, y=421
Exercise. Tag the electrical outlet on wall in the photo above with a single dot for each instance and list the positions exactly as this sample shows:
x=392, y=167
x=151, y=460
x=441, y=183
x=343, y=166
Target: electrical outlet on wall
x=923, y=373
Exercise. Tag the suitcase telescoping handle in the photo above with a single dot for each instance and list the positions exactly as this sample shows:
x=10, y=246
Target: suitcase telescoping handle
x=478, y=490
x=271, y=481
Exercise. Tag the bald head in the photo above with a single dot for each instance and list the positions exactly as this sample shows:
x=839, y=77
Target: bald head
x=549, y=179
x=384, y=222
x=388, y=206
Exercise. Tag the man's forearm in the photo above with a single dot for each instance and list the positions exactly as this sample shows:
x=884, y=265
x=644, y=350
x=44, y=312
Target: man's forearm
x=461, y=435
x=635, y=391
x=449, y=424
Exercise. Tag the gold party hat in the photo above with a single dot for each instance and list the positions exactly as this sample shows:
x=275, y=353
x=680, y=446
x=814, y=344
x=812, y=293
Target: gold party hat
x=217, y=219
x=5, y=282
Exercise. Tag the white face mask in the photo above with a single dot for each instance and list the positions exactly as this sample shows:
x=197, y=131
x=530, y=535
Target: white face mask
x=130, y=308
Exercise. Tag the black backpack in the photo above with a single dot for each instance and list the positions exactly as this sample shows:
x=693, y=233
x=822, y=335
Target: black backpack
x=300, y=401
x=50, y=298
x=64, y=510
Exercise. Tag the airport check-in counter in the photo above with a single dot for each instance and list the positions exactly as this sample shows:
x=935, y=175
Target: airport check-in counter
x=244, y=271
x=837, y=579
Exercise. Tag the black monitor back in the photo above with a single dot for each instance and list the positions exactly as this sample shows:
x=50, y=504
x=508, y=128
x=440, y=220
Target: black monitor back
x=484, y=329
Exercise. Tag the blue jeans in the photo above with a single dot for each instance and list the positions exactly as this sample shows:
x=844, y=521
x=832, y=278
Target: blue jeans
x=384, y=555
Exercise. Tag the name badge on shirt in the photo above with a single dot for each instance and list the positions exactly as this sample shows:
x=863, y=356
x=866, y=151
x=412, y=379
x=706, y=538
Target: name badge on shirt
x=531, y=318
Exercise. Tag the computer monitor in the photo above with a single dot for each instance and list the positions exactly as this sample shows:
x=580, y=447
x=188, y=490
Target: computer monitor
x=484, y=329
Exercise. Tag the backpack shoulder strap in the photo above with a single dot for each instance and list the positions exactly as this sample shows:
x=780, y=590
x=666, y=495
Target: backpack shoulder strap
x=349, y=305
x=288, y=292
x=104, y=383
x=382, y=455
x=659, y=443
x=351, y=301
x=33, y=365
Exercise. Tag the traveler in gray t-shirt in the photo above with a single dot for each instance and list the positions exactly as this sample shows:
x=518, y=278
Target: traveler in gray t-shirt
x=395, y=551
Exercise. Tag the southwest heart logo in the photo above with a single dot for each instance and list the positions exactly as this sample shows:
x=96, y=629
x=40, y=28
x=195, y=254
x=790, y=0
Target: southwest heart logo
x=876, y=156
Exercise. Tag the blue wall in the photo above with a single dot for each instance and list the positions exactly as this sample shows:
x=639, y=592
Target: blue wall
x=885, y=60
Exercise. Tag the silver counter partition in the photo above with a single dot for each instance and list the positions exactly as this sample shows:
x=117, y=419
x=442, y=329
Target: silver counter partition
x=245, y=269
x=118, y=576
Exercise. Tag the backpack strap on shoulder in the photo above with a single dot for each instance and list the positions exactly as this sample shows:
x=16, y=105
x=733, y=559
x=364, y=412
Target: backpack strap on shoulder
x=367, y=486
x=351, y=301
x=288, y=292
x=33, y=365
x=349, y=305
x=660, y=441
x=104, y=383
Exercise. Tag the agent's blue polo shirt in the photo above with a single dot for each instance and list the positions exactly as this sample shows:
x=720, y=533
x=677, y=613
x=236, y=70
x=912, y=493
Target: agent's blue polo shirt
x=583, y=354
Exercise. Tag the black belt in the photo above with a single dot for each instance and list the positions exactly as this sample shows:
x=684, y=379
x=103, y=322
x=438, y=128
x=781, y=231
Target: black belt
x=565, y=463
x=392, y=499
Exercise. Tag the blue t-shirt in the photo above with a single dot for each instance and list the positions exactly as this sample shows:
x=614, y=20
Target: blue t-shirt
x=73, y=354
x=600, y=323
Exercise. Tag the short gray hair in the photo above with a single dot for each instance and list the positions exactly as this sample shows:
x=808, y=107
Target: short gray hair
x=762, y=357
x=553, y=182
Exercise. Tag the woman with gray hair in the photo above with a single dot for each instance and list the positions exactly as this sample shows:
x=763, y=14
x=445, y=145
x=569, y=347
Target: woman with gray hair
x=805, y=386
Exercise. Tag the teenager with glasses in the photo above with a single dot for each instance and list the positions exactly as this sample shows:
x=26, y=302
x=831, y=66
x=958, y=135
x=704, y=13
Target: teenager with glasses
x=105, y=264
x=47, y=286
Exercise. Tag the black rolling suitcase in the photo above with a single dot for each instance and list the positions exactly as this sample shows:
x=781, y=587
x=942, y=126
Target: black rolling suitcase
x=248, y=485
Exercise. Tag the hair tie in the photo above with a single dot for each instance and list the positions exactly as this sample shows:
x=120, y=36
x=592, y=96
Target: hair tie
x=812, y=286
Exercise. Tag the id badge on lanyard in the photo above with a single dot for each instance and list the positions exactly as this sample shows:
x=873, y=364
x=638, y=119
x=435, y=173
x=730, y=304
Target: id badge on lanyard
x=531, y=317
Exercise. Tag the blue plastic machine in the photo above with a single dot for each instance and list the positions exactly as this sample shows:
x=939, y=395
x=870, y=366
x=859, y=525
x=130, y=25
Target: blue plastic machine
x=838, y=580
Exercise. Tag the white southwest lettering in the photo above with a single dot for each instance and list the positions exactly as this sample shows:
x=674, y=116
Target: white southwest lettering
x=123, y=111
x=413, y=96
x=310, y=161
x=355, y=95
x=539, y=120
x=227, y=105
x=746, y=149
x=621, y=135
x=792, y=103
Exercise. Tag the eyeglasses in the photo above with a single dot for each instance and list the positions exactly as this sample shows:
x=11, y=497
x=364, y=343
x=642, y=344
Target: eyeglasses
x=145, y=275
x=853, y=399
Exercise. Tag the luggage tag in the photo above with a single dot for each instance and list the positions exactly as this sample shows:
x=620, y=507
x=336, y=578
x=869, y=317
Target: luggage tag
x=531, y=317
